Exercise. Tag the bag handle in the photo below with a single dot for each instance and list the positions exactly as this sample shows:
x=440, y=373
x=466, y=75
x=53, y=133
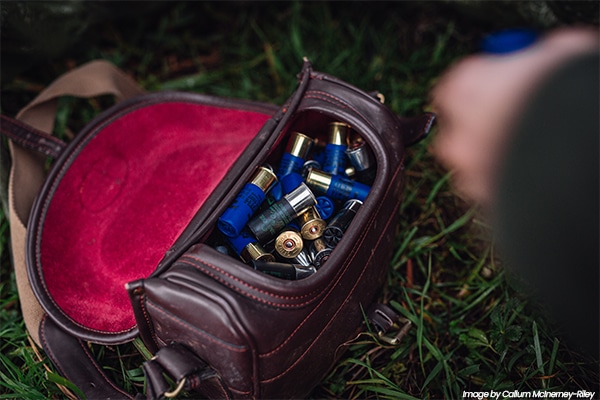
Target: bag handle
x=27, y=172
x=92, y=79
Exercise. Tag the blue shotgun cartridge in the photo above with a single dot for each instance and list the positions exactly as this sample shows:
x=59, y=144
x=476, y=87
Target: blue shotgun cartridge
x=268, y=223
x=296, y=151
x=340, y=222
x=290, y=182
x=246, y=202
x=335, y=149
x=246, y=246
x=325, y=207
x=336, y=187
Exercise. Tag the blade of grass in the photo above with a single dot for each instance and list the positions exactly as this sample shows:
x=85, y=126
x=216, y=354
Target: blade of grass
x=459, y=223
x=420, y=326
x=404, y=245
x=437, y=187
x=59, y=380
x=553, y=355
x=378, y=377
x=538, y=351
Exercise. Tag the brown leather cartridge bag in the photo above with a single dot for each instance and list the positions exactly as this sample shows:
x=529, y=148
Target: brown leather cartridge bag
x=122, y=239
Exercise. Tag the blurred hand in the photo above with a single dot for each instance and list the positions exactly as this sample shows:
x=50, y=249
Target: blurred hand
x=479, y=99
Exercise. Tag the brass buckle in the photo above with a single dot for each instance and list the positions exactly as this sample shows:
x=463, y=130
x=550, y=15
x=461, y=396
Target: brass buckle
x=397, y=338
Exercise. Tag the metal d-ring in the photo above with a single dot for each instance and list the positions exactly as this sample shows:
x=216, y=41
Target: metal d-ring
x=397, y=338
x=177, y=390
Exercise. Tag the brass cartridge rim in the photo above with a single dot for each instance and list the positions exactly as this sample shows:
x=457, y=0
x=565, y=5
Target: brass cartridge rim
x=313, y=229
x=264, y=178
x=338, y=133
x=299, y=145
x=318, y=180
x=254, y=251
x=312, y=224
x=289, y=244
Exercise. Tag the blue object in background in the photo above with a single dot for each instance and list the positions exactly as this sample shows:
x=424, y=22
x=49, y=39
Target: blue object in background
x=509, y=40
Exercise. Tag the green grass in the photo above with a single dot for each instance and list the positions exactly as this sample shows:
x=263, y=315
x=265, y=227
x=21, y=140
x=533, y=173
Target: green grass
x=471, y=329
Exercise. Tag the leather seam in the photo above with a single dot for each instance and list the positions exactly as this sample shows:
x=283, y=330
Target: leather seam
x=47, y=348
x=239, y=290
x=95, y=365
x=235, y=278
x=142, y=303
x=195, y=330
x=327, y=97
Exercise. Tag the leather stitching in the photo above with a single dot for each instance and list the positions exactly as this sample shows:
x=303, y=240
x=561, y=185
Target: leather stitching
x=147, y=318
x=95, y=365
x=196, y=330
x=315, y=94
x=232, y=277
x=57, y=365
x=47, y=348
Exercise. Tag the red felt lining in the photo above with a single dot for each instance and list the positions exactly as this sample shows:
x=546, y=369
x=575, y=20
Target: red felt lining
x=127, y=197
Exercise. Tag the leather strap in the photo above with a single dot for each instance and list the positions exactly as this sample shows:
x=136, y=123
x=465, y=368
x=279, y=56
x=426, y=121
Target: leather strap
x=385, y=319
x=74, y=361
x=31, y=138
x=156, y=384
x=189, y=371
